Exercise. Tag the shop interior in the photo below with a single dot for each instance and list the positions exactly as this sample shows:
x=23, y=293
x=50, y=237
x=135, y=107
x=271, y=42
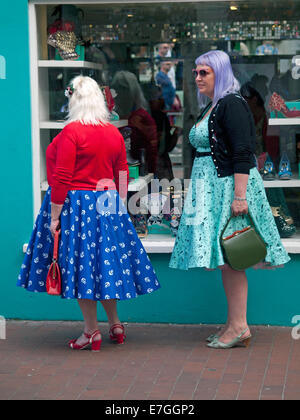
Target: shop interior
x=144, y=55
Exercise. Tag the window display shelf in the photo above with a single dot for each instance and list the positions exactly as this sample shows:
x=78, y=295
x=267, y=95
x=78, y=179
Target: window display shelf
x=164, y=244
x=69, y=64
x=134, y=186
x=282, y=183
x=59, y=125
x=284, y=121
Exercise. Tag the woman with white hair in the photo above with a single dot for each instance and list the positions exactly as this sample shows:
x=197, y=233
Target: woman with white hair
x=100, y=255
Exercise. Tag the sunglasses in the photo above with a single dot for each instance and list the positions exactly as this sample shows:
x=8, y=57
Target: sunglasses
x=202, y=73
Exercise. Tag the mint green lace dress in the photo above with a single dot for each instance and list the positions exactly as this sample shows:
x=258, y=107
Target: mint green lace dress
x=207, y=208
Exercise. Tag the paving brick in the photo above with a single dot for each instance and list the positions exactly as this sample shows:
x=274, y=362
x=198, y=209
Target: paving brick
x=157, y=362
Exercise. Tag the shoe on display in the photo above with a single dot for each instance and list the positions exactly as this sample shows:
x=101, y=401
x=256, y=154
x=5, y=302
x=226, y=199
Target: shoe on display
x=289, y=220
x=268, y=171
x=140, y=224
x=284, y=167
x=126, y=133
x=285, y=230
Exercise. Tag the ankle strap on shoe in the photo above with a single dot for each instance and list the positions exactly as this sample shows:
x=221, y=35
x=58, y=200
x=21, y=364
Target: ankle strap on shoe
x=91, y=336
x=116, y=326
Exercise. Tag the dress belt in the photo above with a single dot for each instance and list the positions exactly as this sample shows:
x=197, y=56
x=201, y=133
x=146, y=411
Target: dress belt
x=202, y=154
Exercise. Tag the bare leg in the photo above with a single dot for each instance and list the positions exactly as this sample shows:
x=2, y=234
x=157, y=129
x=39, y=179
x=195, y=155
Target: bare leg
x=89, y=311
x=110, y=307
x=236, y=289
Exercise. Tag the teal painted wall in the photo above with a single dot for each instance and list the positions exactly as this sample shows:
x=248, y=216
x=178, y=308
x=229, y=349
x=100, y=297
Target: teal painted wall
x=191, y=297
x=16, y=210
x=195, y=296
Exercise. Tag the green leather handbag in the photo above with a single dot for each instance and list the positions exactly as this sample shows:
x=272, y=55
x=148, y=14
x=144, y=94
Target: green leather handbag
x=243, y=248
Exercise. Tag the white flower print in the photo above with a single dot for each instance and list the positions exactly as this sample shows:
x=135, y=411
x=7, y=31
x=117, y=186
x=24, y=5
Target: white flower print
x=65, y=213
x=106, y=262
x=83, y=280
x=111, y=272
x=106, y=297
x=107, y=284
x=82, y=254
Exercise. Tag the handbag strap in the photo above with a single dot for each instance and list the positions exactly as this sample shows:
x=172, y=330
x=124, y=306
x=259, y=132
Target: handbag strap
x=227, y=223
x=55, y=249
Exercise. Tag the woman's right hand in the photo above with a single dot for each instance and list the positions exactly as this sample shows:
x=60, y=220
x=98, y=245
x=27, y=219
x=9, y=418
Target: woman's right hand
x=239, y=207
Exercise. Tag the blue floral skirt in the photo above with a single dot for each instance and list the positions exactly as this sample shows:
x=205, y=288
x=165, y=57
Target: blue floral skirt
x=100, y=255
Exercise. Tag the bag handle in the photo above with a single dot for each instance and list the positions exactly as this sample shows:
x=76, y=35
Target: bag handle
x=231, y=217
x=55, y=249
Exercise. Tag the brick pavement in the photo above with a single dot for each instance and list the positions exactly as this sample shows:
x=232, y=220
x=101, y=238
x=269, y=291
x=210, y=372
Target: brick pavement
x=158, y=362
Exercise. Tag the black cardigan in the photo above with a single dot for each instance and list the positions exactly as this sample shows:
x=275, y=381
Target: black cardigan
x=231, y=135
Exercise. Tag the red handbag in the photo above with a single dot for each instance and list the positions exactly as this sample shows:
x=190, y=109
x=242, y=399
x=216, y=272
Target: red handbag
x=53, y=282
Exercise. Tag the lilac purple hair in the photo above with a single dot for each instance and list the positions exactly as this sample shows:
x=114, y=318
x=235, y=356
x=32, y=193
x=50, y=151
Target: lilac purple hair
x=225, y=82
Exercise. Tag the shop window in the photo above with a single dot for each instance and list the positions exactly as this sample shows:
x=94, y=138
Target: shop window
x=157, y=44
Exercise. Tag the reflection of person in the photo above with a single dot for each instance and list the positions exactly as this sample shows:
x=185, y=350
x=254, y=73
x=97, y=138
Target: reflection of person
x=224, y=181
x=164, y=51
x=256, y=104
x=267, y=48
x=166, y=140
x=131, y=104
x=163, y=80
x=81, y=161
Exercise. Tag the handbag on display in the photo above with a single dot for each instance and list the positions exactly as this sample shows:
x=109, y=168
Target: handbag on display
x=53, y=282
x=243, y=248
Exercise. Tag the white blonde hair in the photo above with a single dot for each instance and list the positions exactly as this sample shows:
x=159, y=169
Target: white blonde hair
x=87, y=104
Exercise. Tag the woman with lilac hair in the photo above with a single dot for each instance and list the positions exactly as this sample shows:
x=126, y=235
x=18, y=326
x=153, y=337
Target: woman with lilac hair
x=224, y=181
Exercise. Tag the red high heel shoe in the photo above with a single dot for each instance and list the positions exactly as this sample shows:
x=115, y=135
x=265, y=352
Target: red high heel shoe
x=95, y=344
x=276, y=104
x=118, y=338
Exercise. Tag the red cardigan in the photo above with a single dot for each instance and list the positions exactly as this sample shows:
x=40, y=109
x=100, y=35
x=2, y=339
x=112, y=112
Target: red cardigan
x=82, y=155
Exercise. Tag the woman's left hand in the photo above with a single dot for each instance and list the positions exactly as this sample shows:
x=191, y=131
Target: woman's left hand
x=239, y=207
x=54, y=225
